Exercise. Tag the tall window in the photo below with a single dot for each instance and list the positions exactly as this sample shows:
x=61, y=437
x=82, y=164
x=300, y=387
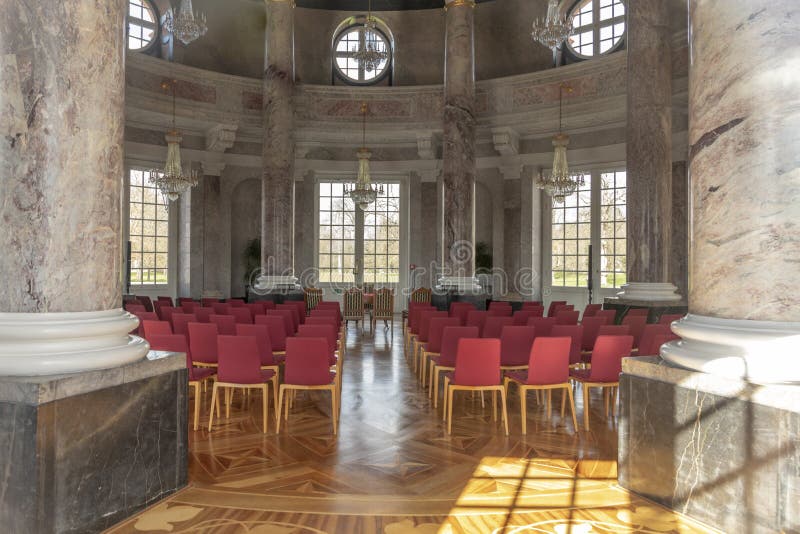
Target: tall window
x=571, y=237
x=148, y=231
x=141, y=24
x=337, y=233
x=613, y=228
x=348, y=43
x=599, y=27
x=382, y=237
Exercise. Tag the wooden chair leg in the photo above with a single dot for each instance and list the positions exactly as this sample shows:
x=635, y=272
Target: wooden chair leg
x=549, y=404
x=483, y=403
x=280, y=405
x=334, y=411
x=494, y=405
x=444, y=396
x=572, y=406
x=264, y=402
x=214, y=400
x=563, y=404
x=196, y=387
x=523, y=408
x=585, y=407
x=505, y=409
x=605, y=402
x=275, y=386
x=449, y=410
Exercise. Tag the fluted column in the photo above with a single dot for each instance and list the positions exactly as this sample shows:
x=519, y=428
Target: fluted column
x=649, y=152
x=62, y=87
x=744, y=137
x=277, y=195
x=458, y=150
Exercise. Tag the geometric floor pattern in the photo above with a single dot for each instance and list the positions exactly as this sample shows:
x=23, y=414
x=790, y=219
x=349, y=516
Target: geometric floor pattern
x=393, y=469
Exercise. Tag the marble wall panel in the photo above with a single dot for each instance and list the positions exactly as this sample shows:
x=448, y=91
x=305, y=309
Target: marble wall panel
x=184, y=89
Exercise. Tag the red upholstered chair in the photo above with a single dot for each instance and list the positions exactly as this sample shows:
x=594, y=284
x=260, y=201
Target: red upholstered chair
x=477, y=318
x=146, y=302
x=268, y=304
x=134, y=308
x=277, y=332
x=553, y=305
x=591, y=309
x=531, y=304
x=548, y=369
x=647, y=343
x=604, y=373
x=543, y=325
x=636, y=324
x=236, y=303
x=591, y=328
x=203, y=343
x=241, y=315
x=669, y=318
x=180, y=322
x=167, y=301
x=156, y=328
x=561, y=308
x=610, y=315
x=226, y=324
x=197, y=375
x=327, y=332
x=500, y=309
x=182, y=300
x=422, y=338
x=307, y=367
x=498, y=304
x=461, y=310
x=321, y=319
x=294, y=312
x=261, y=333
x=144, y=316
x=606, y=330
x=188, y=306
x=256, y=308
x=221, y=308
x=515, y=347
x=575, y=333
x=413, y=323
x=300, y=306
x=203, y=314
x=208, y=302
x=521, y=316
x=165, y=312
x=240, y=368
x=288, y=319
x=446, y=360
x=567, y=317
x=660, y=339
x=637, y=311
x=434, y=346
x=477, y=369
x=494, y=325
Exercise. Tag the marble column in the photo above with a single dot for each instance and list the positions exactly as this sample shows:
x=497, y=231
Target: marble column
x=649, y=153
x=277, y=196
x=62, y=87
x=458, y=150
x=212, y=232
x=744, y=137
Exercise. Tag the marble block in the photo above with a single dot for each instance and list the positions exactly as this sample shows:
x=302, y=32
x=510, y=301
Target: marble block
x=657, y=307
x=442, y=300
x=278, y=296
x=725, y=452
x=81, y=452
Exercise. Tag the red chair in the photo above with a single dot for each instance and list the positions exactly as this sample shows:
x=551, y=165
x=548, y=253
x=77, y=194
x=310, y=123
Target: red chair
x=277, y=332
x=197, y=375
x=221, y=308
x=147, y=303
x=521, y=317
x=182, y=300
x=636, y=324
x=591, y=309
x=553, y=305
x=203, y=314
x=548, y=369
x=500, y=311
x=155, y=328
x=208, y=302
x=301, y=309
x=499, y=304
x=669, y=318
x=322, y=320
x=561, y=308
x=226, y=324
x=135, y=308
x=461, y=310
x=434, y=346
x=515, y=347
x=446, y=360
x=647, y=343
x=165, y=312
x=660, y=339
x=637, y=312
x=261, y=333
x=256, y=308
x=189, y=306
x=268, y=304
x=604, y=373
x=144, y=316
x=537, y=311
x=531, y=304
x=166, y=300
x=575, y=333
x=180, y=322
x=606, y=330
x=327, y=332
x=591, y=328
x=422, y=338
x=307, y=367
x=610, y=315
x=241, y=315
x=567, y=317
x=240, y=368
x=293, y=310
x=477, y=369
x=236, y=303
x=543, y=325
x=477, y=318
x=493, y=327
x=288, y=319
x=413, y=323
x=203, y=343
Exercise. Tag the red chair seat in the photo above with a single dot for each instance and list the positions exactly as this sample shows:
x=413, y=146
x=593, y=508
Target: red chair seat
x=199, y=373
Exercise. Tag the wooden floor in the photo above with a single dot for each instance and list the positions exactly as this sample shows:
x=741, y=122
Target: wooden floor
x=393, y=469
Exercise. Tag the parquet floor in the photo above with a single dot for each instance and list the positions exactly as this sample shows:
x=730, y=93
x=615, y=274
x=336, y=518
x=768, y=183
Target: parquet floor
x=394, y=470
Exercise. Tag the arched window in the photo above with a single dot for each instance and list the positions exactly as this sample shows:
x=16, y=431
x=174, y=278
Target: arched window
x=599, y=27
x=142, y=25
x=348, y=42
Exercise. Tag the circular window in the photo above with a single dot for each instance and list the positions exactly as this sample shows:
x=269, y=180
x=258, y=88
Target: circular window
x=142, y=25
x=599, y=26
x=346, y=46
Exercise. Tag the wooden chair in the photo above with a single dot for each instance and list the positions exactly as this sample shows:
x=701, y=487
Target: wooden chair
x=353, y=306
x=312, y=297
x=421, y=295
x=383, y=308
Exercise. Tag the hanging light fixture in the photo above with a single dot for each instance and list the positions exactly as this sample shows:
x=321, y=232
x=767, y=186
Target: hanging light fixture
x=554, y=29
x=186, y=25
x=561, y=182
x=367, y=54
x=172, y=181
x=364, y=193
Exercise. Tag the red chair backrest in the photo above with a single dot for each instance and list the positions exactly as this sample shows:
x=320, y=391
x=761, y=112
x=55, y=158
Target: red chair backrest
x=531, y=304
x=165, y=300
x=558, y=308
x=203, y=314
x=242, y=315
x=327, y=320
x=256, y=308
x=521, y=316
x=636, y=323
x=450, y=338
x=607, y=357
x=268, y=304
x=261, y=333
x=553, y=305
x=277, y=330
x=461, y=310
x=221, y=308
x=329, y=313
x=180, y=322
x=165, y=312
x=477, y=362
x=647, y=343
x=208, y=302
x=226, y=324
x=515, y=345
x=549, y=361
x=414, y=315
x=144, y=316
x=135, y=308
x=148, y=304
x=156, y=328
x=436, y=331
x=425, y=323
x=575, y=333
x=288, y=319
x=307, y=362
x=236, y=303
x=477, y=318
x=567, y=317
x=293, y=310
x=499, y=304
x=325, y=331
x=172, y=343
x=239, y=360
x=300, y=306
x=189, y=306
x=182, y=300
x=494, y=325
x=591, y=328
x=668, y=318
x=203, y=342
x=610, y=315
x=613, y=330
x=543, y=325
x=637, y=311
x=501, y=311
x=591, y=309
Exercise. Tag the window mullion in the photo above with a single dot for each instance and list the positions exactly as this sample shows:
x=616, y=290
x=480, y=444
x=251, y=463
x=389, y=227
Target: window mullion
x=596, y=234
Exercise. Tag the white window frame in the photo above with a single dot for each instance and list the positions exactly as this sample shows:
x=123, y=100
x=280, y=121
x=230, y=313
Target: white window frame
x=596, y=25
x=362, y=74
x=144, y=24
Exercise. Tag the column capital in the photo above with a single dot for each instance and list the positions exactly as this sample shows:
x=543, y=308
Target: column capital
x=506, y=141
x=221, y=137
x=457, y=3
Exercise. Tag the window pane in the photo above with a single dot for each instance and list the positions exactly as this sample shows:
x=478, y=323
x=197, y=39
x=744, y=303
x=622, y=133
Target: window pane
x=148, y=230
x=613, y=229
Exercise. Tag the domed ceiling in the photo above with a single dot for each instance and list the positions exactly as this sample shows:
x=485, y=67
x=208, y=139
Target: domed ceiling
x=377, y=5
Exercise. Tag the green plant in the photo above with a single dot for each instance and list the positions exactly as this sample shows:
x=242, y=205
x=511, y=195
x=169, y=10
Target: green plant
x=483, y=257
x=252, y=257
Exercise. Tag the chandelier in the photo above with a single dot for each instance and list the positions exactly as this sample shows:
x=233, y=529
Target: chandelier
x=561, y=182
x=172, y=181
x=364, y=193
x=186, y=26
x=368, y=54
x=553, y=29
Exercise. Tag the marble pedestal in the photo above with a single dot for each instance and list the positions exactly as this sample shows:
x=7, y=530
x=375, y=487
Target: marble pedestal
x=81, y=452
x=657, y=307
x=723, y=451
x=442, y=300
x=278, y=296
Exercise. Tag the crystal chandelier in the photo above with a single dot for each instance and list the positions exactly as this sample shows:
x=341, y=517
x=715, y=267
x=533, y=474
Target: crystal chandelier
x=364, y=193
x=172, y=181
x=368, y=55
x=186, y=25
x=553, y=29
x=561, y=182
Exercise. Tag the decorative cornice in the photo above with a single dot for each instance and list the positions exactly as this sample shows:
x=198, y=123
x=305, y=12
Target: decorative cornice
x=221, y=137
x=506, y=141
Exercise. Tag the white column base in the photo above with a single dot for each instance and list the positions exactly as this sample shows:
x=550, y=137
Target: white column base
x=649, y=291
x=466, y=284
x=764, y=352
x=272, y=283
x=33, y=344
